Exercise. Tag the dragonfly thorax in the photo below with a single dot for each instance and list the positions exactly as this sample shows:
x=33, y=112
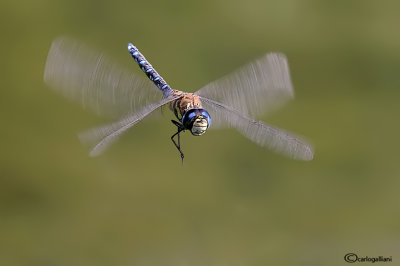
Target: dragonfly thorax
x=186, y=102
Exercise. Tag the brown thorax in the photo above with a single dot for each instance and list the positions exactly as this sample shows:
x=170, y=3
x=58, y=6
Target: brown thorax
x=181, y=105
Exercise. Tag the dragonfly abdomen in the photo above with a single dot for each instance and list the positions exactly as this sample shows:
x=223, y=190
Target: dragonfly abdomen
x=148, y=69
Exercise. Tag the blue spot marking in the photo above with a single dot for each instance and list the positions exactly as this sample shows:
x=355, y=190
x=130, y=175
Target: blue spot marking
x=163, y=87
x=157, y=78
x=142, y=62
x=149, y=70
x=135, y=53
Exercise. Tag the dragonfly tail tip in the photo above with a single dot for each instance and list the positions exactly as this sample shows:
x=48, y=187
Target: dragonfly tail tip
x=131, y=46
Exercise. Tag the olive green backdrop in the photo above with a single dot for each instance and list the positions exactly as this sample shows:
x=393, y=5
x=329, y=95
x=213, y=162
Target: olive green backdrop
x=232, y=202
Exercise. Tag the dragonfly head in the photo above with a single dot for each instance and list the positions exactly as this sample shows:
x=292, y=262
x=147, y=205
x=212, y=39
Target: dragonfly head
x=197, y=120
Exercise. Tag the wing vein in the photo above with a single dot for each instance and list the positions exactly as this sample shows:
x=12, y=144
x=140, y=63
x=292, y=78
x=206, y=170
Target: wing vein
x=107, y=134
x=263, y=134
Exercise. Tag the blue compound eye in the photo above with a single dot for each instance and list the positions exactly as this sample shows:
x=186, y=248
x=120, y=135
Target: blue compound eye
x=188, y=117
x=191, y=115
x=205, y=114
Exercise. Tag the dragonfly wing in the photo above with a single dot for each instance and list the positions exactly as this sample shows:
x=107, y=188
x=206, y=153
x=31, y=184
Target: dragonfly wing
x=89, y=77
x=101, y=137
x=264, y=135
x=259, y=87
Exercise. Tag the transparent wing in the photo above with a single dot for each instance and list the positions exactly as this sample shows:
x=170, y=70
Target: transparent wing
x=264, y=135
x=259, y=87
x=86, y=75
x=105, y=135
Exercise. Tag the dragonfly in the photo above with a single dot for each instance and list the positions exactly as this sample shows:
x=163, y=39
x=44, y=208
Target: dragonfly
x=84, y=74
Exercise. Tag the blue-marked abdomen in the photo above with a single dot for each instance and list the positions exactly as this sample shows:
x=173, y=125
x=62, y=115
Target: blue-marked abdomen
x=149, y=70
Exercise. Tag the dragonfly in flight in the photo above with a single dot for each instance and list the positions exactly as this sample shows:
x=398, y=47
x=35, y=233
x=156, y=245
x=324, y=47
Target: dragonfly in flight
x=86, y=75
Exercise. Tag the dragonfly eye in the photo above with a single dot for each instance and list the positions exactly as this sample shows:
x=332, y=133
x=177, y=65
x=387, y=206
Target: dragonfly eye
x=206, y=115
x=197, y=121
x=191, y=115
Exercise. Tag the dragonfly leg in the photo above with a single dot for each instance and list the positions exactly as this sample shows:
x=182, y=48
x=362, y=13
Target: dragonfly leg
x=178, y=146
x=179, y=139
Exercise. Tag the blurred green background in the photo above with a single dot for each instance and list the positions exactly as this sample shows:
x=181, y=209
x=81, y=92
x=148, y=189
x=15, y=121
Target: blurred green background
x=232, y=202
